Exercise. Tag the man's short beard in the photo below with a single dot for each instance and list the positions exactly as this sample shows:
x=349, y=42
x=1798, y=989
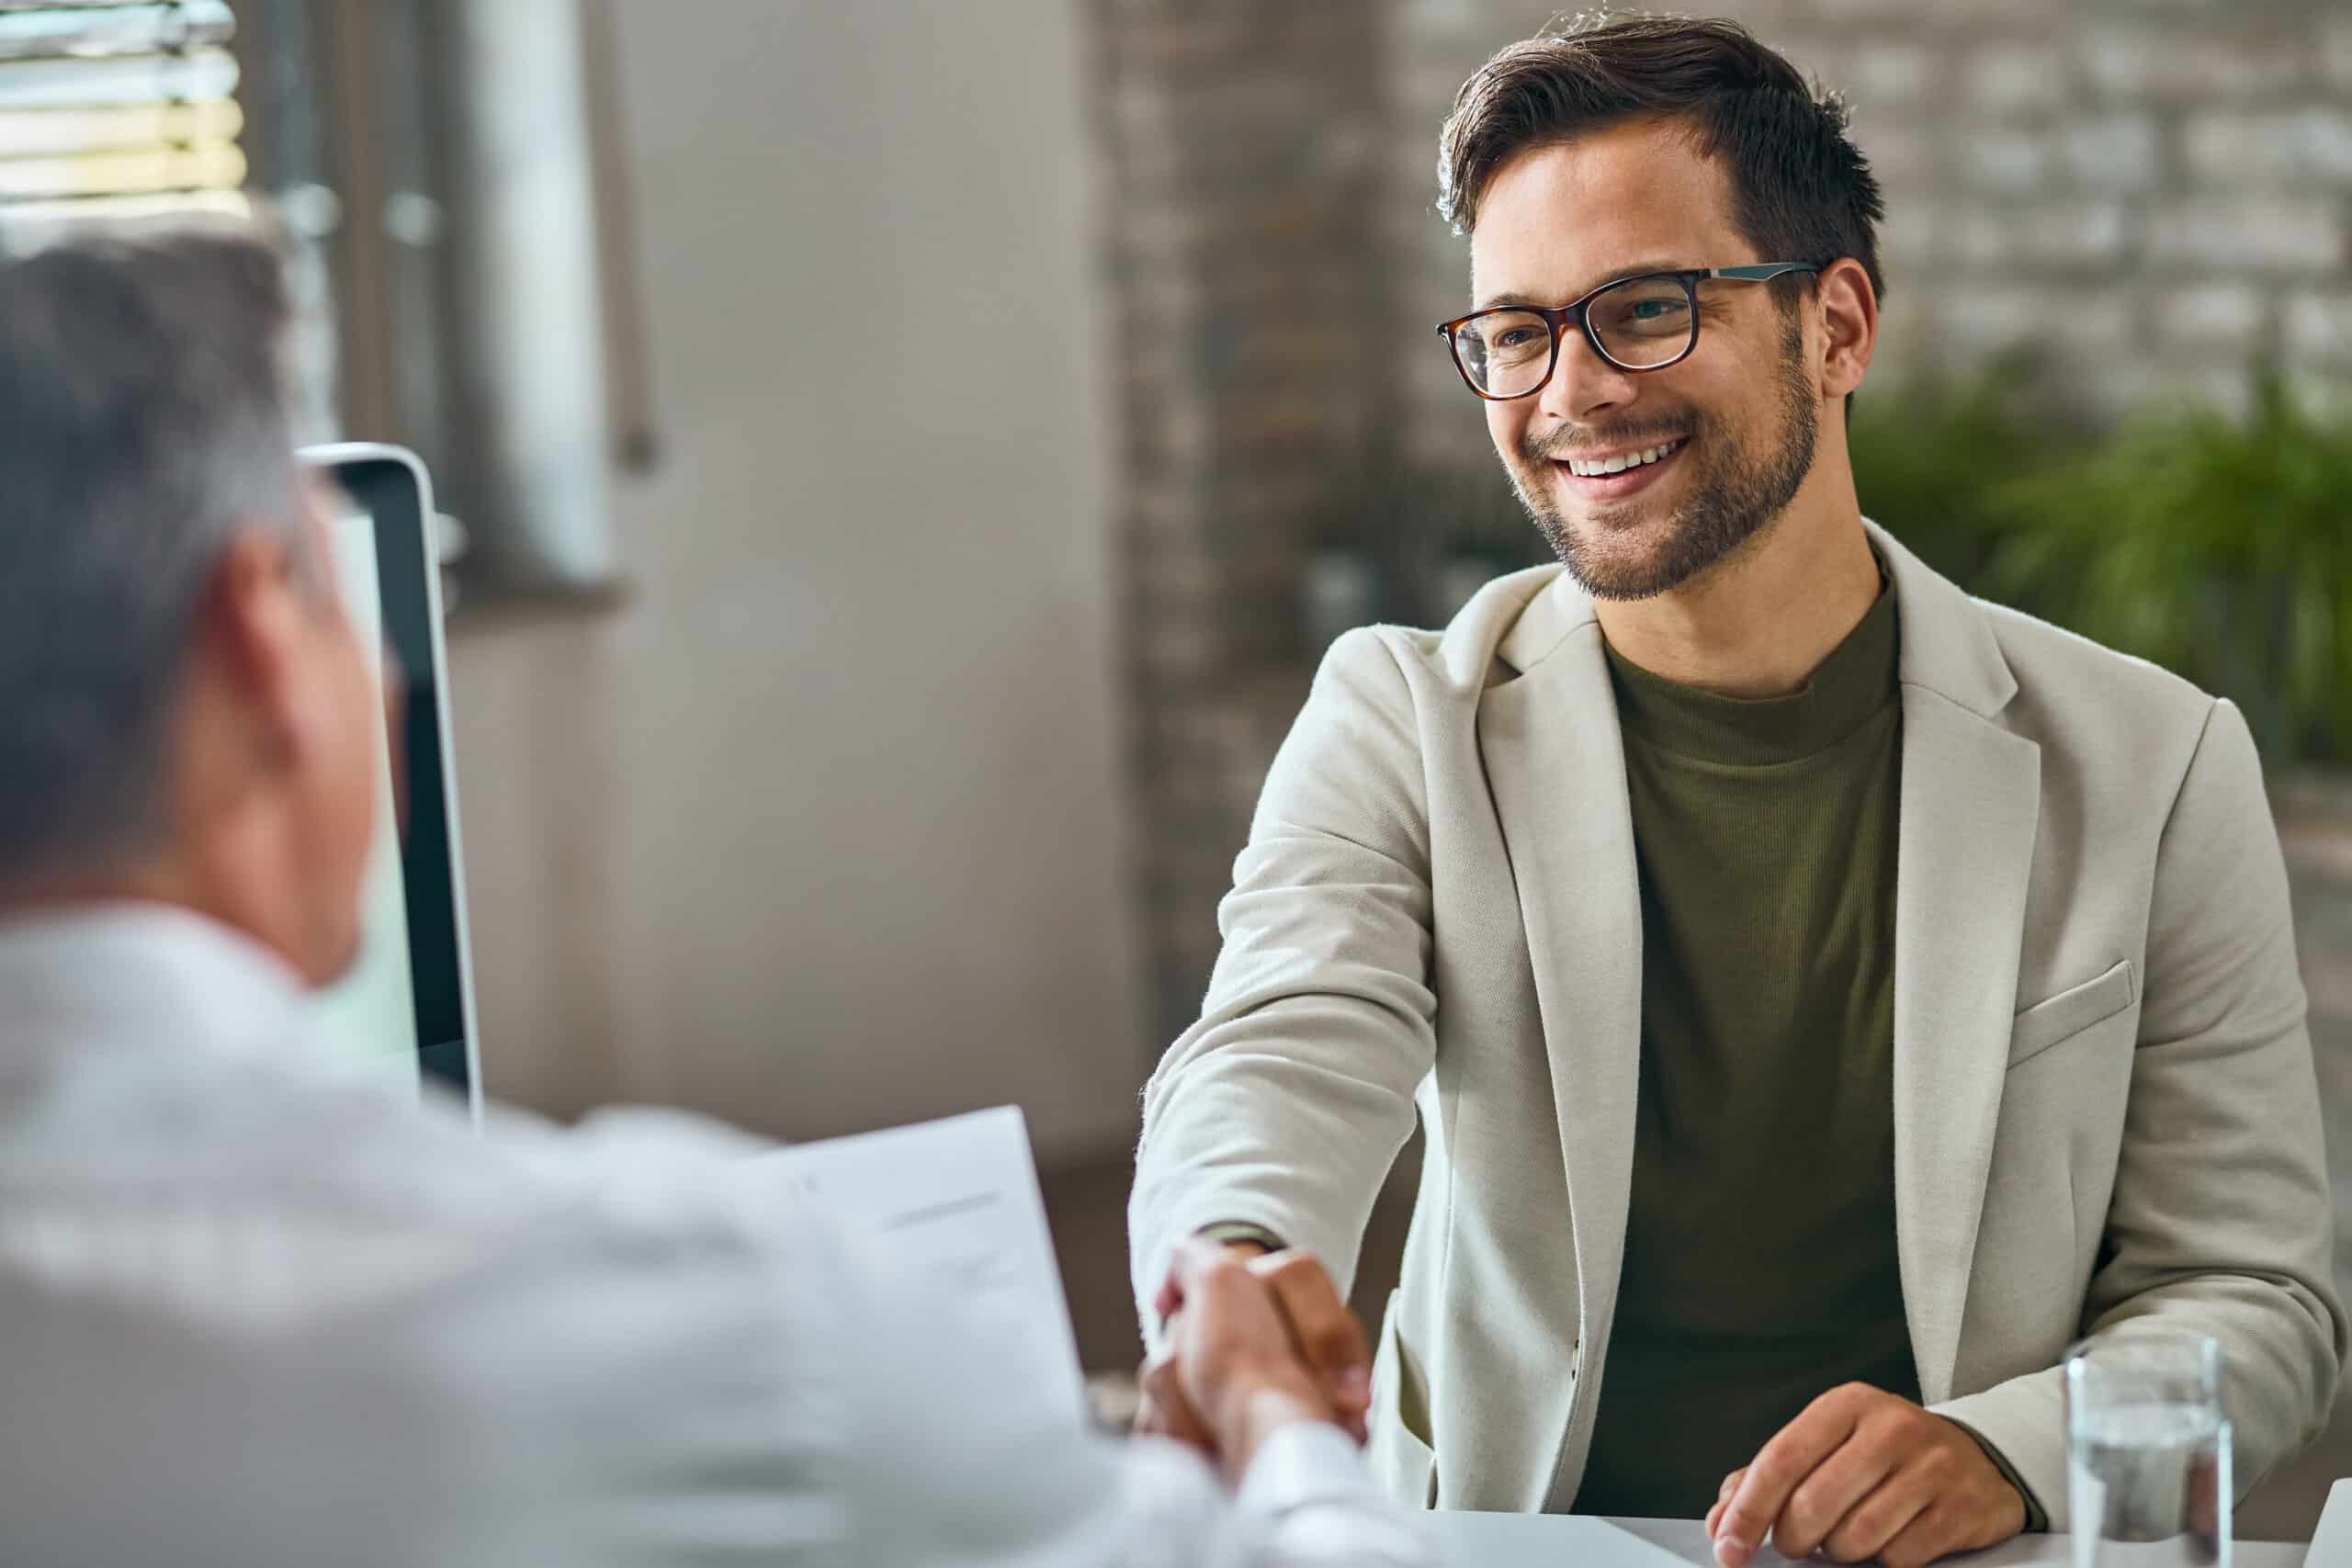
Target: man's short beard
x=1733, y=496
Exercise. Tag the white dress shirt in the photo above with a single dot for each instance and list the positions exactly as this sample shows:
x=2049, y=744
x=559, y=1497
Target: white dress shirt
x=254, y=1312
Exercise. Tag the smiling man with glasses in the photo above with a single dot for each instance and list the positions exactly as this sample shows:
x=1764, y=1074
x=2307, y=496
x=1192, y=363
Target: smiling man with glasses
x=1825, y=997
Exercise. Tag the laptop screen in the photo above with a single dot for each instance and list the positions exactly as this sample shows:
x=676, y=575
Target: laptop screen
x=368, y=1017
x=404, y=1011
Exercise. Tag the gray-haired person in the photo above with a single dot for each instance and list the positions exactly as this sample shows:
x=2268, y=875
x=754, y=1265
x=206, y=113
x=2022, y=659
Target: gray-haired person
x=255, y=1313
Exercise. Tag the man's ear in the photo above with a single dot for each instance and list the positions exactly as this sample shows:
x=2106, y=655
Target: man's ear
x=251, y=627
x=1850, y=325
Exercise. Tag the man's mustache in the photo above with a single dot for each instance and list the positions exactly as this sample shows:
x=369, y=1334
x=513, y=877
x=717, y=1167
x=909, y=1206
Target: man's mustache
x=1560, y=445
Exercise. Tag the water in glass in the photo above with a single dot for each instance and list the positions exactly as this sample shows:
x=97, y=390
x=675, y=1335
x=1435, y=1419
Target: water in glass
x=2149, y=1460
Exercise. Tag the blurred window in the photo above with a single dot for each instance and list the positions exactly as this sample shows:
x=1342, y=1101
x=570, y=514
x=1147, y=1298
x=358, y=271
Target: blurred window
x=445, y=169
x=445, y=173
x=122, y=109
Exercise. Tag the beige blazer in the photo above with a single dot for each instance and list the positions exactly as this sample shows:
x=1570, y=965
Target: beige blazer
x=2105, y=1113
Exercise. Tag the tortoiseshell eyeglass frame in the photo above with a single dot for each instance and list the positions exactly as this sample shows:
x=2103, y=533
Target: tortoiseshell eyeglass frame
x=1577, y=313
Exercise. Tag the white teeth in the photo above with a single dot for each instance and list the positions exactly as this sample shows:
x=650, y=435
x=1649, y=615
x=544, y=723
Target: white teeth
x=1618, y=464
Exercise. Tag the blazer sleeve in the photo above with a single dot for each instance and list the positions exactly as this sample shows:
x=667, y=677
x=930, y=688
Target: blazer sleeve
x=1285, y=1105
x=2220, y=1223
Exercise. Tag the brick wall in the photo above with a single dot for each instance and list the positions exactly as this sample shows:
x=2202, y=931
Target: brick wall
x=2156, y=190
x=1241, y=144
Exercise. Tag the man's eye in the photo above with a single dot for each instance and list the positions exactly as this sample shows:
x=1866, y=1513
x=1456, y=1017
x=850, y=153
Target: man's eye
x=1653, y=310
x=1514, y=337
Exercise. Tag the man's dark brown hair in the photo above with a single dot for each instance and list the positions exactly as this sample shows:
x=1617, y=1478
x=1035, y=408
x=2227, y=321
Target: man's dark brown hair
x=1800, y=190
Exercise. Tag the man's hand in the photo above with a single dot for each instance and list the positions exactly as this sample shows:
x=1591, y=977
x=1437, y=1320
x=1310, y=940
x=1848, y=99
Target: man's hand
x=1161, y=1410
x=1865, y=1473
x=1254, y=1343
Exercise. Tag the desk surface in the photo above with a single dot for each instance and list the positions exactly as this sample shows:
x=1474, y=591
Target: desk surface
x=1526, y=1541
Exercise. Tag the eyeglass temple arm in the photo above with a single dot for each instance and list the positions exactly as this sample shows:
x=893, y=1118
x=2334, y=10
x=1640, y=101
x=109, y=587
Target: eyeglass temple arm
x=1762, y=272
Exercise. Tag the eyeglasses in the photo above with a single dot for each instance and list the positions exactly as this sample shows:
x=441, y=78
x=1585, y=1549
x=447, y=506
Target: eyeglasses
x=1635, y=323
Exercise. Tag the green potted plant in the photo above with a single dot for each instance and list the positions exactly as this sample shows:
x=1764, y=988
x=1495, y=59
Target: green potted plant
x=2216, y=546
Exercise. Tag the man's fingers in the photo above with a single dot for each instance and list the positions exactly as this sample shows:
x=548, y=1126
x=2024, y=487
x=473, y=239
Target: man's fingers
x=1199, y=1265
x=1194, y=1261
x=1878, y=1519
x=1792, y=1454
x=1837, y=1485
x=1330, y=1339
x=1722, y=1498
x=1935, y=1532
x=1328, y=1336
x=1165, y=1411
x=1171, y=1291
x=1862, y=1473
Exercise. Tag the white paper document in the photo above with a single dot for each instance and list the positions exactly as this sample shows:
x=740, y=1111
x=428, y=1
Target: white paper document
x=2332, y=1545
x=953, y=1208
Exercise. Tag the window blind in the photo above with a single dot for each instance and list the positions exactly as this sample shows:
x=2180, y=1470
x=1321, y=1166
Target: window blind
x=117, y=109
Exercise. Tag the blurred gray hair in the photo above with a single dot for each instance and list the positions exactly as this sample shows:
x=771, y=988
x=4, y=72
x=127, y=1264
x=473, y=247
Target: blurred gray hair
x=143, y=425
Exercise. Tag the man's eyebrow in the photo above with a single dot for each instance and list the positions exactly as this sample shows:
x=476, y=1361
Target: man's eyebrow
x=1636, y=269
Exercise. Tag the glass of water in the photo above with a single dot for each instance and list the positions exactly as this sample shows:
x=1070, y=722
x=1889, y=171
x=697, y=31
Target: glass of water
x=2148, y=1446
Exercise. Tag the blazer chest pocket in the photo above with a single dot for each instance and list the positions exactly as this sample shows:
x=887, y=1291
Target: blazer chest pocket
x=2067, y=1014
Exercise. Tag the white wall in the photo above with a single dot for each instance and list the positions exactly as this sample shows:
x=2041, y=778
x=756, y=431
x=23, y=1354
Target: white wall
x=822, y=830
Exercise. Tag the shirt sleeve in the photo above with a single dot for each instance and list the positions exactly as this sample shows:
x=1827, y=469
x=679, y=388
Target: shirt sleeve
x=1310, y=1499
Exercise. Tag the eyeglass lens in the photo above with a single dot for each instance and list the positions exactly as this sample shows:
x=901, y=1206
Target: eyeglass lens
x=1642, y=323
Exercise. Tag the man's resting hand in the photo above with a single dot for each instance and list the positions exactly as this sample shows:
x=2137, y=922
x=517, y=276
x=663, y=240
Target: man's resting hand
x=1865, y=1473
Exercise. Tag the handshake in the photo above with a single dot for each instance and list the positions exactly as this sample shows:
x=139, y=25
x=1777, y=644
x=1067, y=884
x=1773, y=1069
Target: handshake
x=1251, y=1345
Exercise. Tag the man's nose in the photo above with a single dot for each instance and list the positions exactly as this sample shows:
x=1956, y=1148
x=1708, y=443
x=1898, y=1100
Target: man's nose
x=1583, y=383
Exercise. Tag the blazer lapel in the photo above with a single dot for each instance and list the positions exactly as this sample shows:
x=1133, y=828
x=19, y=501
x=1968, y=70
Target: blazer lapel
x=1970, y=806
x=1556, y=764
